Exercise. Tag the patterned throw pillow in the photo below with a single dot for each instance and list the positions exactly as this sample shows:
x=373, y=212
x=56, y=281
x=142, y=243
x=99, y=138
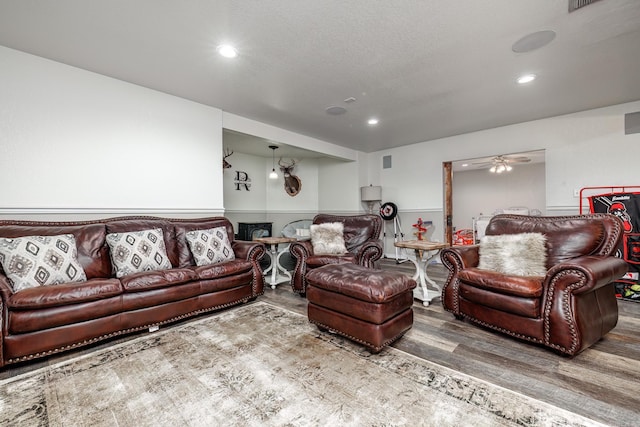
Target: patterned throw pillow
x=138, y=251
x=210, y=246
x=33, y=261
x=327, y=238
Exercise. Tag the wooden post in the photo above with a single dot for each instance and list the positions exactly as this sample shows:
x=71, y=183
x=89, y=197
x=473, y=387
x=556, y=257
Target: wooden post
x=447, y=172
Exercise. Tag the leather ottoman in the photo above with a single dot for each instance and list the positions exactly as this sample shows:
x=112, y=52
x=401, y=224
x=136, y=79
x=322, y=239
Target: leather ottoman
x=369, y=306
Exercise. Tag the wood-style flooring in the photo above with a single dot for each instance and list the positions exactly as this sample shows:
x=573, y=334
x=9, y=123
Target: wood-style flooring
x=601, y=383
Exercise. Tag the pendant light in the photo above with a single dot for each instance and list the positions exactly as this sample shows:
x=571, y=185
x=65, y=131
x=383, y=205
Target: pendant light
x=273, y=174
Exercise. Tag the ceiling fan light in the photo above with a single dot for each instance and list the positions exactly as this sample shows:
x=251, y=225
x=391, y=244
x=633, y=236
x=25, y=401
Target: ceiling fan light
x=492, y=169
x=508, y=168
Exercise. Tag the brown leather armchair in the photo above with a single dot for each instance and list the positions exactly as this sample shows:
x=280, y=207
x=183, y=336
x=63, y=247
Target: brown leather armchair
x=568, y=309
x=361, y=238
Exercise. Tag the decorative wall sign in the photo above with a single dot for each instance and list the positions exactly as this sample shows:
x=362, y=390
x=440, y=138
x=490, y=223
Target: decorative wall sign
x=242, y=180
x=626, y=206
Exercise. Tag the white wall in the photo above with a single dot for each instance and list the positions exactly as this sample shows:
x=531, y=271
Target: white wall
x=307, y=198
x=583, y=149
x=254, y=199
x=75, y=143
x=329, y=184
x=267, y=199
x=479, y=192
x=339, y=187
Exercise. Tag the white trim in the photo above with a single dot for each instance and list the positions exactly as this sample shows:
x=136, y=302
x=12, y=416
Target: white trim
x=125, y=211
x=270, y=212
x=564, y=208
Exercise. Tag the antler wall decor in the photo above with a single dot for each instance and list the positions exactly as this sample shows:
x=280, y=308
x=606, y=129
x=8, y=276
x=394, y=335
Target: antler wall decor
x=225, y=164
x=292, y=183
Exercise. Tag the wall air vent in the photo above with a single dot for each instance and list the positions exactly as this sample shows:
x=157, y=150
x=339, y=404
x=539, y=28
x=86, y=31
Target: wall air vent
x=578, y=4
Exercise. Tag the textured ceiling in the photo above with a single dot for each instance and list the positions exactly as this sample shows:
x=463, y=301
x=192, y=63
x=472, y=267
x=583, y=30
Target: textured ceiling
x=427, y=69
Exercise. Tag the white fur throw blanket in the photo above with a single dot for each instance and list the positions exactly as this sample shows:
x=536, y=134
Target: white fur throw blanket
x=327, y=238
x=523, y=254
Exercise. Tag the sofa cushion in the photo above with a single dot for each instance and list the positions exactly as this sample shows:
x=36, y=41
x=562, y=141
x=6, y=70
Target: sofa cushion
x=319, y=260
x=521, y=286
x=137, y=251
x=327, y=238
x=210, y=246
x=32, y=261
x=520, y=306
x=65, y=294
x=224, y=269
x=522, y=254
x=157, y=279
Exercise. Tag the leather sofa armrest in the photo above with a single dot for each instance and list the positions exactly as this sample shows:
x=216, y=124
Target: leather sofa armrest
x=248, y=250
x=5, y=289
x=300, y=250
x=576, y=311
x=464, y=256
x=370, y=252
x=586, y=273
x=5, y=293
x=252, y=251
x=456, y=258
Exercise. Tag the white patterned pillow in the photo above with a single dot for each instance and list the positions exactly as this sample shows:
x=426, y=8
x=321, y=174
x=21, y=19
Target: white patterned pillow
x=327, y=238
x=33, y=261
x=210, y=246
x=138, y=251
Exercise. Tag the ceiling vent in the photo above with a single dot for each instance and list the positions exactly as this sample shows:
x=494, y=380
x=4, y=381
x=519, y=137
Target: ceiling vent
x=578, y=4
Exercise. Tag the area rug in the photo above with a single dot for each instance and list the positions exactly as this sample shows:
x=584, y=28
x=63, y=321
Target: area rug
x=260, y=365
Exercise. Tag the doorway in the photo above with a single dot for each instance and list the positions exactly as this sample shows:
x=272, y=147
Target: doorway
x=482, y=187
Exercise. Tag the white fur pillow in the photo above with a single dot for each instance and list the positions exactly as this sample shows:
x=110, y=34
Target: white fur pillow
x=327, y=238
x=523, y=254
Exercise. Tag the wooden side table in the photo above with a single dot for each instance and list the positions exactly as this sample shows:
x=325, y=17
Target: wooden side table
x=424, y=251
x=275, y=268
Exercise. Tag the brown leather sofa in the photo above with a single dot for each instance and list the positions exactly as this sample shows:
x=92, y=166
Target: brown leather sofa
x=568, y=309
x=362, y=241
x=43, y=320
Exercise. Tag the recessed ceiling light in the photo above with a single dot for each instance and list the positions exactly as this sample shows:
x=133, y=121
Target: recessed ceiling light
x=533, y=41
x=227, y=51
x=335, y=110
x=526, y=78
x=372, y=121
x=464, y=165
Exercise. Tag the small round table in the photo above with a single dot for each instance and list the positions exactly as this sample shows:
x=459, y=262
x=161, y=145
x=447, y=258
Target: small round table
x=275, y=268
x=423, y=250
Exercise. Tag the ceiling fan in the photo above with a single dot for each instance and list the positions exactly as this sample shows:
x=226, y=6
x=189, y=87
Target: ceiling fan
x=502, y=163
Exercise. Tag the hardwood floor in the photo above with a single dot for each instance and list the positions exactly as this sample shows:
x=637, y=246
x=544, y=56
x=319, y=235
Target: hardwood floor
x=601, y=383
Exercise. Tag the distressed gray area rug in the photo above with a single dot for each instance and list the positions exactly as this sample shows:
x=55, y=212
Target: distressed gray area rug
x=260, y=365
